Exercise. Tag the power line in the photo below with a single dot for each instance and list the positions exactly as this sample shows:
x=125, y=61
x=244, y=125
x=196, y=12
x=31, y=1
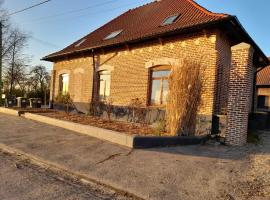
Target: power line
x=75, y=10
x=44, y=42
x=91, y=13
x=27, y=8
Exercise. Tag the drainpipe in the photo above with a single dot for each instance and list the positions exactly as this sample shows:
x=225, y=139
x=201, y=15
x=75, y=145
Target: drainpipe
x=94, y=76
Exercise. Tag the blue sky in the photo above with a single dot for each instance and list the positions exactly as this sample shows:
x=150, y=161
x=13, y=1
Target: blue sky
x=55, y=25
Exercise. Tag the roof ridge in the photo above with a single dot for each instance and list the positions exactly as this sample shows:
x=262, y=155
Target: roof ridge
x=152, y=2
x=203, y=9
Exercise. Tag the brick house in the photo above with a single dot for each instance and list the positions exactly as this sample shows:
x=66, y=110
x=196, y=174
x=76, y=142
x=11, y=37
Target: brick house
x=263, y=89
x=131, y=57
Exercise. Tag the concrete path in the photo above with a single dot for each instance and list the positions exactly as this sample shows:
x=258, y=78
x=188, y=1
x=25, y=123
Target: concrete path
x=194, y=172
x=29, y=182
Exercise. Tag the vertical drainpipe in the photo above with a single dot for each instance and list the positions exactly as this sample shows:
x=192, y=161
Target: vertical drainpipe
x=254, y=91
x=94, y=76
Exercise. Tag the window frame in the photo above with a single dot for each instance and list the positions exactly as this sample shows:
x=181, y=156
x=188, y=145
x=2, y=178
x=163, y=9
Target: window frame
x=150, y=81
x=61, y=83
x=98, y=85
x=176, y=17
x=113, y=34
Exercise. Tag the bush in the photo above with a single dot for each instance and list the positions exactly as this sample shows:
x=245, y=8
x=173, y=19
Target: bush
x=253, y=137
x=64, y=99
x=184, y=98
x=160, y=128
x=138, y=111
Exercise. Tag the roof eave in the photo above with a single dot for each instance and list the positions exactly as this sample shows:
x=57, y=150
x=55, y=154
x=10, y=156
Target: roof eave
x=141, y=39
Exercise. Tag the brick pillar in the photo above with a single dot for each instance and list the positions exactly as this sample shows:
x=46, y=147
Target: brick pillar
x=240, y=92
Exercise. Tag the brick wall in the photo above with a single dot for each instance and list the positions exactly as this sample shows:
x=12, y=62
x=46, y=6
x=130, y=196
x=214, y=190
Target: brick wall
x=80, y=80
x=223, y=74
x=130, y=66
x=240, y=98
x=129, y=74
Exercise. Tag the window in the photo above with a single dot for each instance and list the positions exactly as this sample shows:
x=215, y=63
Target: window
x=104, y=85
x=159, y=85
x=113, y=34
x=170, y=19
x=64, y=81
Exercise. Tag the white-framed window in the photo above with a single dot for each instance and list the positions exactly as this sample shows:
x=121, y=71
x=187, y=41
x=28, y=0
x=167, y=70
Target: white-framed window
x=104, y=85
x=64, y=83
x=171, y=19
x=159, y=85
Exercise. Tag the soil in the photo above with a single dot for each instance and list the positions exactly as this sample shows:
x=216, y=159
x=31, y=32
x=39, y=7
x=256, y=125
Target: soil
x=120, y=126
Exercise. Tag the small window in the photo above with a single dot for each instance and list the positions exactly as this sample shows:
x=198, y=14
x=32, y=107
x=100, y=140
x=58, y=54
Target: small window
x=113, y=35
x=80, y=43
x=170, y=20
x=64, y=82
x=159, y=86
x=104, y=85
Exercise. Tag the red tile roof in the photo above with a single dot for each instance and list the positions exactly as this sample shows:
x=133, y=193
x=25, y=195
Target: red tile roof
x=263, y=77
x=143, y=22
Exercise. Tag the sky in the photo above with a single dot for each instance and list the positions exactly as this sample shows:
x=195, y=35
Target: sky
x=58, y=23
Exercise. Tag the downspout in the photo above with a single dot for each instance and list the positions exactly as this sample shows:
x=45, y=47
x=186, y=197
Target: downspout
x=94, y=76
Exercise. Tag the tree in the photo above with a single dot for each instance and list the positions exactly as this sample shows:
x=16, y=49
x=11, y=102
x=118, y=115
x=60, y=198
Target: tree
x=40, y=78
x=14, y=60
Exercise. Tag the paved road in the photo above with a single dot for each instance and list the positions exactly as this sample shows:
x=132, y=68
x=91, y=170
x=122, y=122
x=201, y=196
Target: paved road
x=22, y=181
x=186, y=172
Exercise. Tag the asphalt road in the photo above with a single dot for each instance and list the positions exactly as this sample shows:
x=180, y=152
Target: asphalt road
x=20, y=180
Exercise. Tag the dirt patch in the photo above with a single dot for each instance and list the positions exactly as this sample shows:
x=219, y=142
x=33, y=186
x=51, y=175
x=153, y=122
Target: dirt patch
x=125, y=127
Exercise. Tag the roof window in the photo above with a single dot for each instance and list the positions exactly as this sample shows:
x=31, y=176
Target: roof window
x=171, y=19
x=113, y=34
x=79, y=43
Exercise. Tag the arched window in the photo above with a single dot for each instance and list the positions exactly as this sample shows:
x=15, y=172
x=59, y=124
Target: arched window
x=63, y=83
x=159, y=85
x=104, y=85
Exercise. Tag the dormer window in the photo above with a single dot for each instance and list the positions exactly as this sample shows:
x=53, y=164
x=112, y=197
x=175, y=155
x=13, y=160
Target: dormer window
x=80, y=43
x=171, y=19
x=113, y=34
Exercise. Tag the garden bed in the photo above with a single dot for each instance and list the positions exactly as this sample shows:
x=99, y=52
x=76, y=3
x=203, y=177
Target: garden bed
x=120, y=126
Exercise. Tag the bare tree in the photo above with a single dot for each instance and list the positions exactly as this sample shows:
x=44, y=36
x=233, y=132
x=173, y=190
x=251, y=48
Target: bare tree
x=41, y=79
x=14, y=59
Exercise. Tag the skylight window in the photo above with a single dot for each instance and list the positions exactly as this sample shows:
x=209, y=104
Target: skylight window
x=171, y=19
x=80, y=43
x=113, y=34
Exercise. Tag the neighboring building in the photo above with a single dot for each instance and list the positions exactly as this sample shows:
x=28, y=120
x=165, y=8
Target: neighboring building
x=263, y=89
x=132, y=55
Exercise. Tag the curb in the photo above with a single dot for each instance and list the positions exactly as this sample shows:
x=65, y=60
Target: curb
x=58, y=169
x=9, y=111
x=103, y=134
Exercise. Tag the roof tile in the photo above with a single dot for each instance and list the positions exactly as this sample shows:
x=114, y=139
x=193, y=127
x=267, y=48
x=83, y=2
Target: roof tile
x=145, y=21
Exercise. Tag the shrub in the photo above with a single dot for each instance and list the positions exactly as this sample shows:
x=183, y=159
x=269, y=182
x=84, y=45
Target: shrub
x=108, y=108
x=64, y=99
x=184, y=98
x=160, y=128
x=138, y=111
